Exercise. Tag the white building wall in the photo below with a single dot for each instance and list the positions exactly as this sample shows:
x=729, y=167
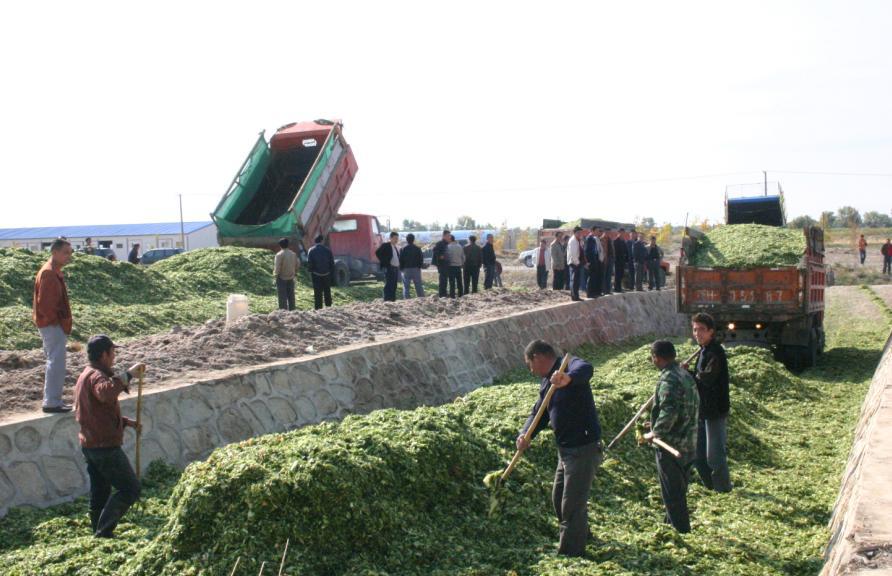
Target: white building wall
x=202, y=238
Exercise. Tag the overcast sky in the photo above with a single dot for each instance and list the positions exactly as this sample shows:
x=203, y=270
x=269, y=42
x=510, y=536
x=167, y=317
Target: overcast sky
x=509, y=112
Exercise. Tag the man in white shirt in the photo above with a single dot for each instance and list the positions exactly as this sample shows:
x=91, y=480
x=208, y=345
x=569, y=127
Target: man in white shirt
x=574, y=261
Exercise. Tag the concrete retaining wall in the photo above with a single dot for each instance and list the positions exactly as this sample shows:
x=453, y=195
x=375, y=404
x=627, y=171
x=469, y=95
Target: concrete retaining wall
x=861, y=526
x=40, y=462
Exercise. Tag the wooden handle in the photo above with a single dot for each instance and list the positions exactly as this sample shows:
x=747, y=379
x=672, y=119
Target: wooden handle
x=644, y=408
x=666, y=447
x=138, y=421
x=531, y=430
x=631, y=423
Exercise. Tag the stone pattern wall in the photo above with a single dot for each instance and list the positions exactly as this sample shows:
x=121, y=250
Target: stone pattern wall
x=41, y=464
x=861, y=525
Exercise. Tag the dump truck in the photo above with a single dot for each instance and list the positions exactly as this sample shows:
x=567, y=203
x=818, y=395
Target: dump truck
x=779, y=307
x=292, y=186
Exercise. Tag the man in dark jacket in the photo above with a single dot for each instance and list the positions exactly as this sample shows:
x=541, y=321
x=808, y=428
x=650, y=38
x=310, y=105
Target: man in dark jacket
x=593, y=258
x=441, y=261
x=133, y=257
x=101, y=435
x=320, y=263
x=488, y=257
x=388, y=254
x=639, y=254
x=473, y=261
x=577, y=430
x=711, y=375
x=630, y=252
x=621, y=259
x=886, y=251
x=609, y=260
x=411, y=262
x=654, y=257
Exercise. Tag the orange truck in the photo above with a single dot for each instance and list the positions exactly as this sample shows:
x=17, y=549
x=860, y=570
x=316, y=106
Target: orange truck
x=779, y=307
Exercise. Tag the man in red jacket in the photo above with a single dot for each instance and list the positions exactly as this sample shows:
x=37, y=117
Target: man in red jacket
x=886, y=251
x=51, y=313
x=101, y=435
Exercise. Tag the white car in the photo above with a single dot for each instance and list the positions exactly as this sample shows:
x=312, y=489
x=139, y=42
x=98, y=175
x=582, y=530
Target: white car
x=529, y=257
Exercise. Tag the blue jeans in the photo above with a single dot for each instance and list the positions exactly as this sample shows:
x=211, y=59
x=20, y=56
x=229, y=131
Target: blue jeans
x=410, y=276
x=712, y=453
x=54, y=340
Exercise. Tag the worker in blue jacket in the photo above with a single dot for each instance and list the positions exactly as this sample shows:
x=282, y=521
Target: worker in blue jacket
x=572, y=416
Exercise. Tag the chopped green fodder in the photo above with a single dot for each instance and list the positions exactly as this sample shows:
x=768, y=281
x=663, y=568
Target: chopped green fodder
x=124, y=300
x=399, y=492
x=749, y=246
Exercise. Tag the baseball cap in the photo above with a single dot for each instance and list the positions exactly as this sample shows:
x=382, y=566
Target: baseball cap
x=99, y=344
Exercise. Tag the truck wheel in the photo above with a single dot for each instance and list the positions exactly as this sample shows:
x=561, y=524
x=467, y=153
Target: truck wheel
x=528, y=261
x=341, y=274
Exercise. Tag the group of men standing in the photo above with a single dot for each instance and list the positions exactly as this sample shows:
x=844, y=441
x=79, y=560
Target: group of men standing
x=597, y=260
x=321, y=265
x=689, y=414
x=458, y=267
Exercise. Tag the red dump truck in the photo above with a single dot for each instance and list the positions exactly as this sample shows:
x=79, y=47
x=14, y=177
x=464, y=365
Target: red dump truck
x=293, y=187
x=778, y=307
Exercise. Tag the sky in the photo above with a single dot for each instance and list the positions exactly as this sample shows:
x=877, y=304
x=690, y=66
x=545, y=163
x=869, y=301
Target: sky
x=509, y=112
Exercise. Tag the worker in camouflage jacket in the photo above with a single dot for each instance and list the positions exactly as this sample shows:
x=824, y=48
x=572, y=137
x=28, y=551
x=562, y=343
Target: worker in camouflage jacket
x=674, y=421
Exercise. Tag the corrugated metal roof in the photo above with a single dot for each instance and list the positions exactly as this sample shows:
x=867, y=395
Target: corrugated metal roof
x=101, y=230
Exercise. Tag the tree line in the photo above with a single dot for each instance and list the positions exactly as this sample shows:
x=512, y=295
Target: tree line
x=845, y=217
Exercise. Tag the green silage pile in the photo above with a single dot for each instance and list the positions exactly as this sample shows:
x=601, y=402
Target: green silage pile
x=749, y=246
x=124, y=300
x=400, y=492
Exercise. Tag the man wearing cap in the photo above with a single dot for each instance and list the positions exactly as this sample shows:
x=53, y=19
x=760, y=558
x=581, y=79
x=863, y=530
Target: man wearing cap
x=285, y=270
x=320, y=263
x=51, y=313
x=101, y=435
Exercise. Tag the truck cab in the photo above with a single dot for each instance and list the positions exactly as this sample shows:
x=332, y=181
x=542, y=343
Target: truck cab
x=353, y=239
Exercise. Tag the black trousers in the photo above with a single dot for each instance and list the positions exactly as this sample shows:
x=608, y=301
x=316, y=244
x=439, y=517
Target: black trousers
x=641, y=272
x=575, y=281
x=674, y=476
x=632, y=274
x=542, y=277
x=391, y=279
x=109, y=468
x=443, y=278
x=558, y=279
x=285, y=291
x=321, y=289
x=593, y=290
x=618, y=276
x=455, y=281
x=471, y=278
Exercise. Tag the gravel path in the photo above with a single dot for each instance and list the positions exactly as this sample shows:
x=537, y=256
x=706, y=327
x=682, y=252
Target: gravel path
x=262, y=338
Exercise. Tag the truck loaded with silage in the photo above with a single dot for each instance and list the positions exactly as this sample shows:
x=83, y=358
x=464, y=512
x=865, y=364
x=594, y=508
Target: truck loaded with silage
x=291, y=187
x=763, y=284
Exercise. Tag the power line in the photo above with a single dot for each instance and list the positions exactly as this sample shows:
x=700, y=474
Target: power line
x=878, y=174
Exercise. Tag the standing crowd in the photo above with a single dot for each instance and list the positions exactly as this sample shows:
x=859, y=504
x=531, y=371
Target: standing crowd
x=599, y=261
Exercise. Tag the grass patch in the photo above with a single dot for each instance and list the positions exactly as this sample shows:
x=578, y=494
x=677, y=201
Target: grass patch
x=400, y=492
x=125, y=301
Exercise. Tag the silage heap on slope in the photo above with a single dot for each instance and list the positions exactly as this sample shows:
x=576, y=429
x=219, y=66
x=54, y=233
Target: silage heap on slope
x=400, y=492
x=742, y=246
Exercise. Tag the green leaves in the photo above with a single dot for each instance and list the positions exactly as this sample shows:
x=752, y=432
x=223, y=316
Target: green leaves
x=749, y=246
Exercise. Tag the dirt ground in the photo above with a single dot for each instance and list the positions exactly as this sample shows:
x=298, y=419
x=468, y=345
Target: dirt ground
x=261, y=338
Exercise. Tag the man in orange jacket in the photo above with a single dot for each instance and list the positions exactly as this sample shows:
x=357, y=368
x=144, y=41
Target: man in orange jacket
x=51, y=313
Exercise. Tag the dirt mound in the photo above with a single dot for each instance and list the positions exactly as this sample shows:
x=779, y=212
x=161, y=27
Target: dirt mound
x=261, y=338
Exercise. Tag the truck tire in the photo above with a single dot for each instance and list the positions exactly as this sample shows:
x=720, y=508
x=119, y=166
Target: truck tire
x=341, y=274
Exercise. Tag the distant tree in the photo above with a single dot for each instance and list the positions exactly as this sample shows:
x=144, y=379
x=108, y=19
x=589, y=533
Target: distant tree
x=435, y=225
x=828, y=220
x=848, y=216
x=875, y=219
x=647, y=223
x=465, y=223
x=802, y=221
x=412, y=225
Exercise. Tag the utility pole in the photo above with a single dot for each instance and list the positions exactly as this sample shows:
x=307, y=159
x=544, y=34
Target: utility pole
x=765, y=178
x=182, y=228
